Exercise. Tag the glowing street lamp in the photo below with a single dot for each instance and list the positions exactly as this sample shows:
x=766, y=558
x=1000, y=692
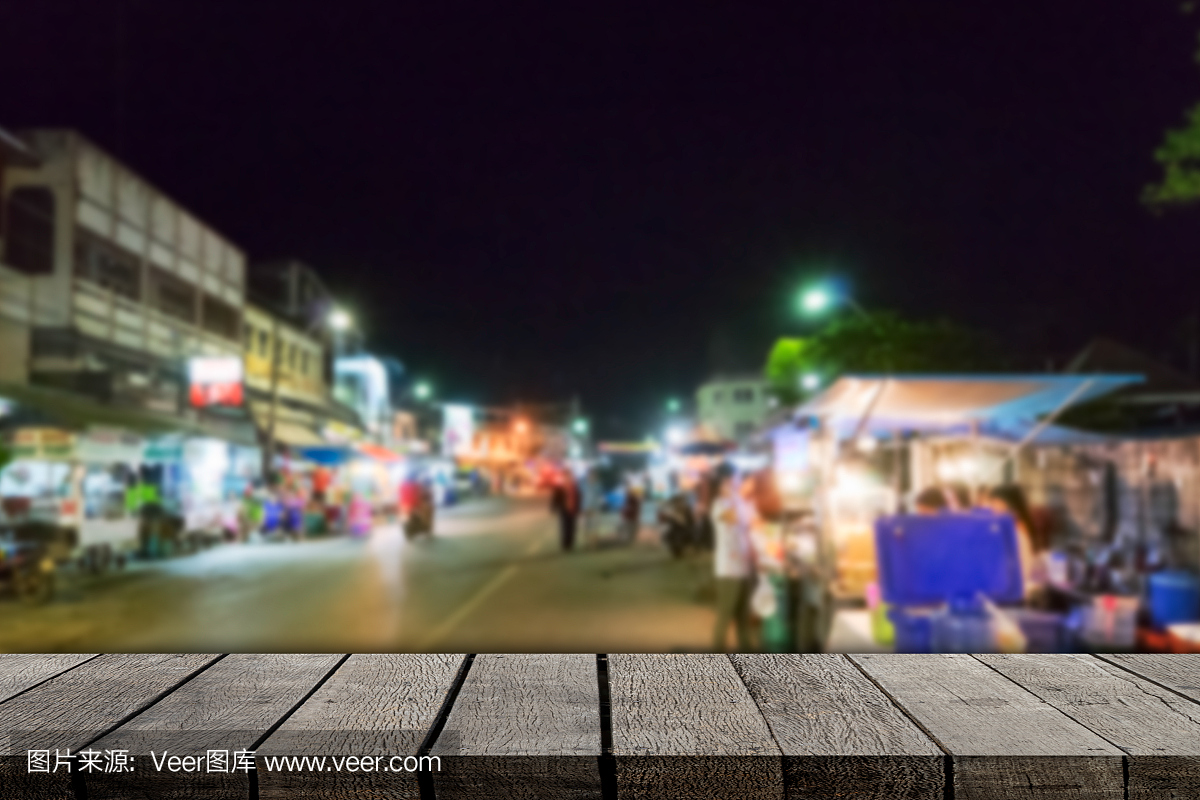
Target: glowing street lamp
x=340, y=320
x=810, y=381
x=820, y=299
x=580, y=426
x=423, y=391
x=673, y=405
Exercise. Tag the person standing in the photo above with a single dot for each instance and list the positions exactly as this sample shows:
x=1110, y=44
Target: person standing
x=733, y=566
x=631, y=513
x=564, y=502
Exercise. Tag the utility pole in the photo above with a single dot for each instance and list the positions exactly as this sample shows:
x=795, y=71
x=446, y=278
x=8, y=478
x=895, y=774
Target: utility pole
x=269, y=450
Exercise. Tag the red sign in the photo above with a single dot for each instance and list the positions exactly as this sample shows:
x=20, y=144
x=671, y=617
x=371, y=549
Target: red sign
x=215, y=381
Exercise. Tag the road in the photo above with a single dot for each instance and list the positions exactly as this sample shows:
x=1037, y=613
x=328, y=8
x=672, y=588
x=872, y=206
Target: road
x=493, y=579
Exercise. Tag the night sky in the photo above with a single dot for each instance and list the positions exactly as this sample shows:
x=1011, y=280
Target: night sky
x=534, y=201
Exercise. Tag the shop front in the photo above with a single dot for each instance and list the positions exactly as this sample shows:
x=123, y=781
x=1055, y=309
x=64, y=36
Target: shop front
x=857, y=463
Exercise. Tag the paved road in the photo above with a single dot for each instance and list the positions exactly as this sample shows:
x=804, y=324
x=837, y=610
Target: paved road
x=492, y=580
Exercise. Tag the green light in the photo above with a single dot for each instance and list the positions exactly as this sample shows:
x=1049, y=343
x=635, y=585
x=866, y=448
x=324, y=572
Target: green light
x=423, y=391
x=814, y=301
x=580, y=426
x=672, y=405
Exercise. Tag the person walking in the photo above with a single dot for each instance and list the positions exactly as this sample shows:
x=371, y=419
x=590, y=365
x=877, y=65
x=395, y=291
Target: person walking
x=733, y=566
x=564, y=502
x=631, y=513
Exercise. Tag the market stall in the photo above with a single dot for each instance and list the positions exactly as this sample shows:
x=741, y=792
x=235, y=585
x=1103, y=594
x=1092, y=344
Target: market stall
x=859, y=451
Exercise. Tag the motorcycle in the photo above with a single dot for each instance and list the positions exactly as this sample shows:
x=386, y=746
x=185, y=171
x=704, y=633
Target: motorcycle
x=419, y=519
x=676, y=524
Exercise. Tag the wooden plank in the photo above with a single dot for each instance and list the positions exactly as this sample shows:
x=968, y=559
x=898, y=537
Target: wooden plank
x=77, y=707
x=685, y=726
x=373, y=706
x=839, y=734
x=523, y=726
x=1005, y=743
x=20, y=671
x=1158, y=730
x=228, y=707
x=1179, y=673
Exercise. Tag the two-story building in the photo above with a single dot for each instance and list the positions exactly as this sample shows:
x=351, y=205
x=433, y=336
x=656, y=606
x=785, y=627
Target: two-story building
x=110, y=293
x=733, y=407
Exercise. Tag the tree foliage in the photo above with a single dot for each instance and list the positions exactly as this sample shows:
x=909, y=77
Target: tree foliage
x=1179, y=155
x=880, y=342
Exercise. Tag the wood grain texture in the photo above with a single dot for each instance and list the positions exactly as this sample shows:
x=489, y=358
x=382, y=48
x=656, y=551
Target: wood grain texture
x=79, y=706
x=685, y=726
x=373, y=705
x=20, y=671
x=228, y=707
x=839, y=734
x=1006, y=744
x=1179, y=673
x=1158, y=730
x=523, y=726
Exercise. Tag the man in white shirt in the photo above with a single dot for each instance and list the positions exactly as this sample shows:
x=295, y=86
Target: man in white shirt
x=733, y=564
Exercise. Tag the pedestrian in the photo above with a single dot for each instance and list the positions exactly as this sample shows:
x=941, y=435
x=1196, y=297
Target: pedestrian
x=733, y=566
x=591, y=498
x=631, y=514
x=360, y=515
x=564, y=502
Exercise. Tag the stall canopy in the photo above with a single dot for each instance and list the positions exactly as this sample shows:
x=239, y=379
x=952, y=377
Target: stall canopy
x=329, y=456
x=941, y=403
x=378, y=453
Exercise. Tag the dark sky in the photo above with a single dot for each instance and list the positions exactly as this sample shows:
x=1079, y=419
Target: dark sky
x=612, y=200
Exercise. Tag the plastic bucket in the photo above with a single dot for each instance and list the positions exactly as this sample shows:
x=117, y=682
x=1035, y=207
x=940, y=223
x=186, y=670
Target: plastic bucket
x=1174, y=598
x=913, y=630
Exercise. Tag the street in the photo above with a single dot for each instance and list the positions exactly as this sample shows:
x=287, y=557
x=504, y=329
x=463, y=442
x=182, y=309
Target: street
x=493, y=579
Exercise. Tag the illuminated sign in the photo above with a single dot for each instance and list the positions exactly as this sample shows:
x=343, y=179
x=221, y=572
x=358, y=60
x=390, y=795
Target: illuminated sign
x=458, y=430
x=215, y=381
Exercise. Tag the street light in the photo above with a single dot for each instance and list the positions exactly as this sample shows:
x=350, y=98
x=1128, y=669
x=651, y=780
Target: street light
x=340, y=320
x=810, y=381
x=580, y=426
x=673, y=405
x=423, y=391
x=819, y=299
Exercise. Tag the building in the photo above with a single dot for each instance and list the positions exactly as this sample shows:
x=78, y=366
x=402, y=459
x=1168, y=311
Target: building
x=733, y=407
x=108, y=287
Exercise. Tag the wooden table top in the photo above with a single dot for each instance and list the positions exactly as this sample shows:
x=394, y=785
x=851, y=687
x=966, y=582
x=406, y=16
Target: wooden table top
x=925, y=727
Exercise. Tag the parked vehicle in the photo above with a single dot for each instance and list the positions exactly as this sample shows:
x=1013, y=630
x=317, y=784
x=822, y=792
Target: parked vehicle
x=30, y=555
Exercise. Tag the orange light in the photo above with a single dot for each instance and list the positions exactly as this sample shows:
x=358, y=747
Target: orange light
x=521, y=426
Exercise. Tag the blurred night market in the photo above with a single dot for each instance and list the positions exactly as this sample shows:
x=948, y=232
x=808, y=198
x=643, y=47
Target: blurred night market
x=706, y=331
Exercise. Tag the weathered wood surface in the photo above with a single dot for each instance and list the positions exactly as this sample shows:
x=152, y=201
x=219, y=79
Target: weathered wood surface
x=1158, y=730
x=1006, y=744
x=523, y=726
x=373, y=705
x=681, y=726
x=839, y=734
x=1179, y=673
x=22, y=671
x=75, y=708
x=228, y=707
x=685, y=726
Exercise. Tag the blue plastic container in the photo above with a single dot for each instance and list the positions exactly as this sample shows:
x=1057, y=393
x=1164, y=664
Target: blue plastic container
x=1174, y=597
x=927, y=560
x=913, y=629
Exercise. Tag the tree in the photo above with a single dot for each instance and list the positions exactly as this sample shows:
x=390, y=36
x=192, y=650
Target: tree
x=880, y=342
x=1179, y=155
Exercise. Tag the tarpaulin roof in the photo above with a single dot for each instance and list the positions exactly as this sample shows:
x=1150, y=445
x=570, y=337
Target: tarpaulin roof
x=379, y=453
x=925, y=402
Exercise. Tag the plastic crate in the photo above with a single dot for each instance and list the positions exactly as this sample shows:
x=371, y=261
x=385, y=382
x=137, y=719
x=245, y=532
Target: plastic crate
x=925, y=560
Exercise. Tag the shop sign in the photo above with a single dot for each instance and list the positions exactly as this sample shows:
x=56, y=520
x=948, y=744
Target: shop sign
x=215, y=381
x=339, y=432
x=109, y=447
x=42, y=444
x=458, y=430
